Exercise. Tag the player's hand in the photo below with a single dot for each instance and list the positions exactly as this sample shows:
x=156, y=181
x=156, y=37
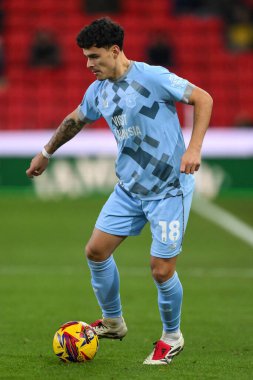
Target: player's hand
x=38, y=165
x=191, y=160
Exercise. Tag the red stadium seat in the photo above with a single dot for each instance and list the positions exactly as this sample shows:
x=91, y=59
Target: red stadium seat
x=43, y=96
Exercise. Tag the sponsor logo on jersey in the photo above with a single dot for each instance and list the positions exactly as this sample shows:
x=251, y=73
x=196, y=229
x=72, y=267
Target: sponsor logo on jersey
x=176, y=81
x=120, y=120
x=125, y=133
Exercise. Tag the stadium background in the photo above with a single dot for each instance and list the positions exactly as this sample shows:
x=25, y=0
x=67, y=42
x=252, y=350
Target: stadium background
x=45, y=221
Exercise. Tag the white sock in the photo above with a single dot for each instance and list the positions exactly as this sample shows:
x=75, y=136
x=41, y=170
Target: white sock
x=170, y=337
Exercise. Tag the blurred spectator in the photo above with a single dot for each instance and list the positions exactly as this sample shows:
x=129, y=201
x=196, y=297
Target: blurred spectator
x=198, y=7
x=45, y=51
x=159, y=52
x=186, y=6
x=207, y=7
x=239, y=25
x=238, y=17
x=101, y=6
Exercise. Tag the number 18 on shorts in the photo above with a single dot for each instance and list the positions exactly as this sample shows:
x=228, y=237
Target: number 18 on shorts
x=124, y=215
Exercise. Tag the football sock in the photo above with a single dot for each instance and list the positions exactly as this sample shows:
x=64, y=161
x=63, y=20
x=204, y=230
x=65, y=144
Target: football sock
x=170, y=294
x=105, y=283
x=169, y=337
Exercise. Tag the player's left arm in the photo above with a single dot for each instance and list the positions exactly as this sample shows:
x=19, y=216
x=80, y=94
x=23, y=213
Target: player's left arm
x=203, y=104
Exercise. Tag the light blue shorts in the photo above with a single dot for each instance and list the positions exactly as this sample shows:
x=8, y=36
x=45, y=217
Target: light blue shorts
x=123, y=215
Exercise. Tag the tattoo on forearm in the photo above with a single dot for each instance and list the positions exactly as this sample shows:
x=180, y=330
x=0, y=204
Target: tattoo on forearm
x=65, y=132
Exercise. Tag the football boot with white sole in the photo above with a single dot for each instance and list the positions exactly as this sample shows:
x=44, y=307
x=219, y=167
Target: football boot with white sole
x=163, y=353
x=111, y=328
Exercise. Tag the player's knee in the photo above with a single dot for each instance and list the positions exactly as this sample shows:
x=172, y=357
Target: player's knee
x=92, y=253
x=95, y=252
x=162, y=274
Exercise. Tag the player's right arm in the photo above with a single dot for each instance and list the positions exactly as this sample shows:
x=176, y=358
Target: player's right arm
x=70, y=126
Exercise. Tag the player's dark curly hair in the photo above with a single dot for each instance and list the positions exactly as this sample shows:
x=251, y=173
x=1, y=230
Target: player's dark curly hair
x=101, y=33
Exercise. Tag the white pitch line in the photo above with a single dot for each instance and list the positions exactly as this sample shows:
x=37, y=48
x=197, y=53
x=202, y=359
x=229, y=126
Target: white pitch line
x=224, y=219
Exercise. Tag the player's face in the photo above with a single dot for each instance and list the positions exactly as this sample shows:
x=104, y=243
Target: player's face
x=102, y=61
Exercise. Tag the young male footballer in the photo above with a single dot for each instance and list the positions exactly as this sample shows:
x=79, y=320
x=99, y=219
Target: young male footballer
x=155, y=174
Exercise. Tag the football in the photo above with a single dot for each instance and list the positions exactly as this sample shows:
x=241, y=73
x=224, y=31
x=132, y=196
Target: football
x=75, y=341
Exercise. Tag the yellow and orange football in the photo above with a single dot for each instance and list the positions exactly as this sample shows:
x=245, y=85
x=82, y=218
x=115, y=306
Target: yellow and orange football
x=75, y=341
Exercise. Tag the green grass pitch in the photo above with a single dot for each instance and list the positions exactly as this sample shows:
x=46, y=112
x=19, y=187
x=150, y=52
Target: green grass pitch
x=44, y=282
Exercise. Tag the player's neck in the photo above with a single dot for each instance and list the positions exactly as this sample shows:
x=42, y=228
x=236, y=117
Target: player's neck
x=121, y=67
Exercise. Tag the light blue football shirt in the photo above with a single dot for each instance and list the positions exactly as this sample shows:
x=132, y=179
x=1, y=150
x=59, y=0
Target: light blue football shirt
x=140, y=109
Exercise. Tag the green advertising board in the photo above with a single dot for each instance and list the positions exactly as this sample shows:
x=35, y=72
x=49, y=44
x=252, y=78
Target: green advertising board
x=86, y=163
x=80, y=176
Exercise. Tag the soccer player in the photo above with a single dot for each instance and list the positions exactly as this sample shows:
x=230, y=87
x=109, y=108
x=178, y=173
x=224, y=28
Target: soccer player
x=155, y=174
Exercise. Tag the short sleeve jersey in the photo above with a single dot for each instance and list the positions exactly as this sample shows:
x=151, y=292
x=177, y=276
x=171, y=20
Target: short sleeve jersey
x=140, y=110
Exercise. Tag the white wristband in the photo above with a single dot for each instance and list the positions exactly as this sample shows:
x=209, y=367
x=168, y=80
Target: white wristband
x=45, y=154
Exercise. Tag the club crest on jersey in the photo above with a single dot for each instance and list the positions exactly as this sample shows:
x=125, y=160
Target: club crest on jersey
x=131, y=100
x=105, y=103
